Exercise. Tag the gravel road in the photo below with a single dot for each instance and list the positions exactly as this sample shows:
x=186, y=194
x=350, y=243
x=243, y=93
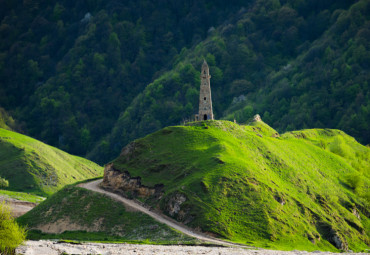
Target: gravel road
x=53, y=248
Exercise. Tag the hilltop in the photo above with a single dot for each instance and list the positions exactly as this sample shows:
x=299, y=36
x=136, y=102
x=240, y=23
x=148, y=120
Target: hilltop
x=34, y=167
x=304, y=189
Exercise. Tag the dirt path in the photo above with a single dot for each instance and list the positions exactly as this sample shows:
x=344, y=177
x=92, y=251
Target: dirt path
x=94, y=186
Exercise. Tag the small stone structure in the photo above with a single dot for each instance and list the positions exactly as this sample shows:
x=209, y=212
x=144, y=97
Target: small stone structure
x=205, y=100
x=257, y=117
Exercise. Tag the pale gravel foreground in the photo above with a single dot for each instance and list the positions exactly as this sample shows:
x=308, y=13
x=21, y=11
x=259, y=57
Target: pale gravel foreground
x=53, y=248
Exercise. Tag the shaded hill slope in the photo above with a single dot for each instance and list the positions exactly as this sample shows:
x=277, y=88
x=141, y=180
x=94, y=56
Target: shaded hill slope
x=32, y=166
x=304, y=190
x=79, y=214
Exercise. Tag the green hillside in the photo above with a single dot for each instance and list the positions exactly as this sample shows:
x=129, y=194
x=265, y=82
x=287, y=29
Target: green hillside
x=23, y=196
x=90, y=216
x=32, y=166
x=303, y=190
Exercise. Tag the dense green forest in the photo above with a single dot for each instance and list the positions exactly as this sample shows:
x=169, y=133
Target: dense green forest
x=90, y=76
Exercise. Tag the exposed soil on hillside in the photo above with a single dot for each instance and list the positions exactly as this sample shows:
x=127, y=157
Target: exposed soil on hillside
x=17, y=207
x=66, y=224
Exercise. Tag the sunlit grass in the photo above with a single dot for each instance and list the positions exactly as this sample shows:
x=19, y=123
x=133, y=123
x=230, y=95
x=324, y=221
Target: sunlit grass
x=22, y=196
x=247, y=184
x=34, y=167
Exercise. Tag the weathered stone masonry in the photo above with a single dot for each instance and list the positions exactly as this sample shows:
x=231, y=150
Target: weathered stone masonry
x=205, y=100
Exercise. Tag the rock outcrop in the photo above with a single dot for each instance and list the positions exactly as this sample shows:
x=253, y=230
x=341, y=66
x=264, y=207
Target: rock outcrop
x=123, y=183
x=175, y=207
x=174, y=203
x=257, y=117
x=339, y=242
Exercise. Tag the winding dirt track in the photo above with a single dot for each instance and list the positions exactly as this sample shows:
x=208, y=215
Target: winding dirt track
x=94, y=186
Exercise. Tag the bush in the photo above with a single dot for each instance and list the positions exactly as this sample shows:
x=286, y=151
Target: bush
x=3, y=183
x=355, y=181
x=11, y=234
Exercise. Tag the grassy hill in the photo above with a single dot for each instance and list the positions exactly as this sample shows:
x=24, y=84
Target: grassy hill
x=305, y=189
x=87, y=215
x=32, y=166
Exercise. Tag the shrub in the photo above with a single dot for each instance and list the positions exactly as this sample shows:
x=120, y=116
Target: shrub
x=3, y=183
x=355, y=181
x=11, y=234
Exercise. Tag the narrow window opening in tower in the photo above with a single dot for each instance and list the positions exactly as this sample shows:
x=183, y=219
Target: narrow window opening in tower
x=205, y=116
x=205, y=98
x=204, y=72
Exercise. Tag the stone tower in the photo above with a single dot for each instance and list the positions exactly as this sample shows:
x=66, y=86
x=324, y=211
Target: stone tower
x=205, y=100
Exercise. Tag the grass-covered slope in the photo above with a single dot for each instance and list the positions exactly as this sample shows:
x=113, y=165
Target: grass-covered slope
x=32, y=166
x=79, y=214
x=23, y=196
x=304, y=190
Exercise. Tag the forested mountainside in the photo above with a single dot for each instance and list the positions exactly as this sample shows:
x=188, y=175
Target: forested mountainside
x=90, y=76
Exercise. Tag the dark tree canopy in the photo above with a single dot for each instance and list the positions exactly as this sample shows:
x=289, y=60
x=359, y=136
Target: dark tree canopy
x=90, y=76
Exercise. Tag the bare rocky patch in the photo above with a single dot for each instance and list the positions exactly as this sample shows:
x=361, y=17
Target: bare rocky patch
x=123, y=183
x=18, y=207
x=67, y=224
